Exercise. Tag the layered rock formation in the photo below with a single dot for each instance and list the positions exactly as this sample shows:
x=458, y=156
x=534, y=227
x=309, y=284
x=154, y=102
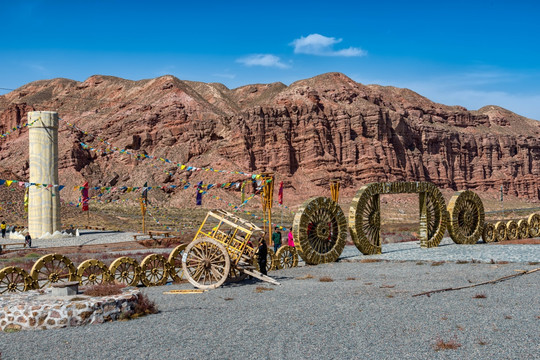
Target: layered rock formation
x=308, y=133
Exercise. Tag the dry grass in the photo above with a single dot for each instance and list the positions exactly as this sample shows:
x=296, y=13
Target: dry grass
x=482, y=342
x=350, y=278
x=144, y=306
x=451, y=344
x=260, y=289
x=437, y=263
x=370, y=260
x=387, y=286
x=104, y=289
x=508, y=317
x=305, y=277
x=228, y=299
x=534, y=262
x=326, y=279
x=479, y=296
x=462, y=262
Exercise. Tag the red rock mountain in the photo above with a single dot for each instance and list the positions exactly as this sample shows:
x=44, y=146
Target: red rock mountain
x=308, y=133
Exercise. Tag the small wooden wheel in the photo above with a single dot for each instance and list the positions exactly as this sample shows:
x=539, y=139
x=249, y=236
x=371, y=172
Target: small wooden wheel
x=92, y=272
x=523, y=229
x=125, y=270
x=488, y=235
x=176, y=272
x=236, y=275
x=53, y=268
x=286, y=257
x=154, y=270
x=206, y=263
x=512, y=230
x=534, y=225
x=271, y=260
x=500, y=231
x=14, y=279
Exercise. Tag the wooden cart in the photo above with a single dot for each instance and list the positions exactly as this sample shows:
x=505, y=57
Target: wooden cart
x=223, y=249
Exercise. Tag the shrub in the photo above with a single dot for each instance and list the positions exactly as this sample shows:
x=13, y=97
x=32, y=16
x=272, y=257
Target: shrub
x=104, y=289
x=452, y=344
x=144, y=306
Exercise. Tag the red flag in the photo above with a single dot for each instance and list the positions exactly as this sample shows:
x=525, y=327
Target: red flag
x=84, y=195
x=280, y=193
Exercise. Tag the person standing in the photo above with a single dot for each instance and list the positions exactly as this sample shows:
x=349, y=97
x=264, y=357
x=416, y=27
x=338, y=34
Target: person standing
x=276, y=239
x=262, y=253
x=290, y=240
x=3, y=228
x=28, y=240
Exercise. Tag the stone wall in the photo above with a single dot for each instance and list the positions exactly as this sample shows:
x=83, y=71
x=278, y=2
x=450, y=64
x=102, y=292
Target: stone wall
x=37, y=309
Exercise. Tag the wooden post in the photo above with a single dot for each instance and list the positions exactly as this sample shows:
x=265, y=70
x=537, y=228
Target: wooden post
x=143, y=212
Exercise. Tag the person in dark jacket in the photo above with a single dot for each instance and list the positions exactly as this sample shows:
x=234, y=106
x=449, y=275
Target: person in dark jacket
x=276, y=239
x=262, y=253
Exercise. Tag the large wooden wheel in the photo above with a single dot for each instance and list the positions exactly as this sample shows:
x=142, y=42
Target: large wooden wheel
x=523, y=229
x=14, y=279
x=92, y=272
x=206, y=263
x=154, y=270
x=176, y=272
x=286, y=257
x=500, y=231
x=320, y=231
x=125, y=270
x=534, y=225
x=51, y=269
x=488, y=235
x=512, y=230
x=466, y=222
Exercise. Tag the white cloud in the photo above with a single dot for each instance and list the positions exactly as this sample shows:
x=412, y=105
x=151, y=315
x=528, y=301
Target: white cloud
x=267, y=60
x=316, y=44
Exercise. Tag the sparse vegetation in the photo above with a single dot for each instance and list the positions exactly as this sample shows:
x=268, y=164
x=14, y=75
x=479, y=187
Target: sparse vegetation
x=437, y=263
x=451, y=344
x=228, y=299
x=370, y=260
x=260, y=289
x=479, y=296
x=350, y=278
x=482, y=342
x=326, y=279
x=305, y=277
x=104, y=289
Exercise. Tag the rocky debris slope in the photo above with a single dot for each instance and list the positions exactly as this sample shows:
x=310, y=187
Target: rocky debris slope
x=308, y=133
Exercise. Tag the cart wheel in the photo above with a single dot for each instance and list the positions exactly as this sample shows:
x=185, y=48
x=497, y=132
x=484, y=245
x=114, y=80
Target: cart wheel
x=53, y=268
x=512, y=230
x=500, y=231
x=92, y=272
x=206, y=263
x=125, y=270
x=176, y=272
x=534, y=225
x=154, y=270
x=523, y=229
x=488, y=235
x=286, y=257
x=236, y=275
x=14, y=279
x=271, y=263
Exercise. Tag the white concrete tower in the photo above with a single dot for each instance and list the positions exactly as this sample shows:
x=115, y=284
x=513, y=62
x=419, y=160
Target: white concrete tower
x=43, y=202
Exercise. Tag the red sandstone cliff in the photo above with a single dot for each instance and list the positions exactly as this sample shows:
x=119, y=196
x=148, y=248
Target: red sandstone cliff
x=309, y=132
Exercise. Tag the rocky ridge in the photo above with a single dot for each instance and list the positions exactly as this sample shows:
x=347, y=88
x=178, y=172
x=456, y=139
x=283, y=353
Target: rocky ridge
x=309, y=132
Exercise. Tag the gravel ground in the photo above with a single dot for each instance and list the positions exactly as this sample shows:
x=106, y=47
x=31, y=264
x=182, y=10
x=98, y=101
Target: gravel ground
x=373, y=316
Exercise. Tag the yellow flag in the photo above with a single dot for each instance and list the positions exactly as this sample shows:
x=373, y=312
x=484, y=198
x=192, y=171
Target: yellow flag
x=8, y=182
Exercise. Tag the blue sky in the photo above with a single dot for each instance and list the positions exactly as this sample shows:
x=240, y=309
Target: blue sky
x=469, y=53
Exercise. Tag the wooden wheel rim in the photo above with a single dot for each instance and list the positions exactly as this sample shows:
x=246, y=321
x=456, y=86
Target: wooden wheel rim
x=523, y=229
x=125, y=270
x=92, y=272
x=534, y=225
x=286, y=257
x=488, y=235
x=14, y=279
x=466, y=222
x=176, y=272
x=154, y=270
x=320, y=231
x=53, y=268
x=500, y=231
x=206, y=263
x=512, y=230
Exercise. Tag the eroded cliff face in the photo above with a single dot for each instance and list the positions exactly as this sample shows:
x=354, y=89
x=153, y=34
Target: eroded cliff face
x=308, y=133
